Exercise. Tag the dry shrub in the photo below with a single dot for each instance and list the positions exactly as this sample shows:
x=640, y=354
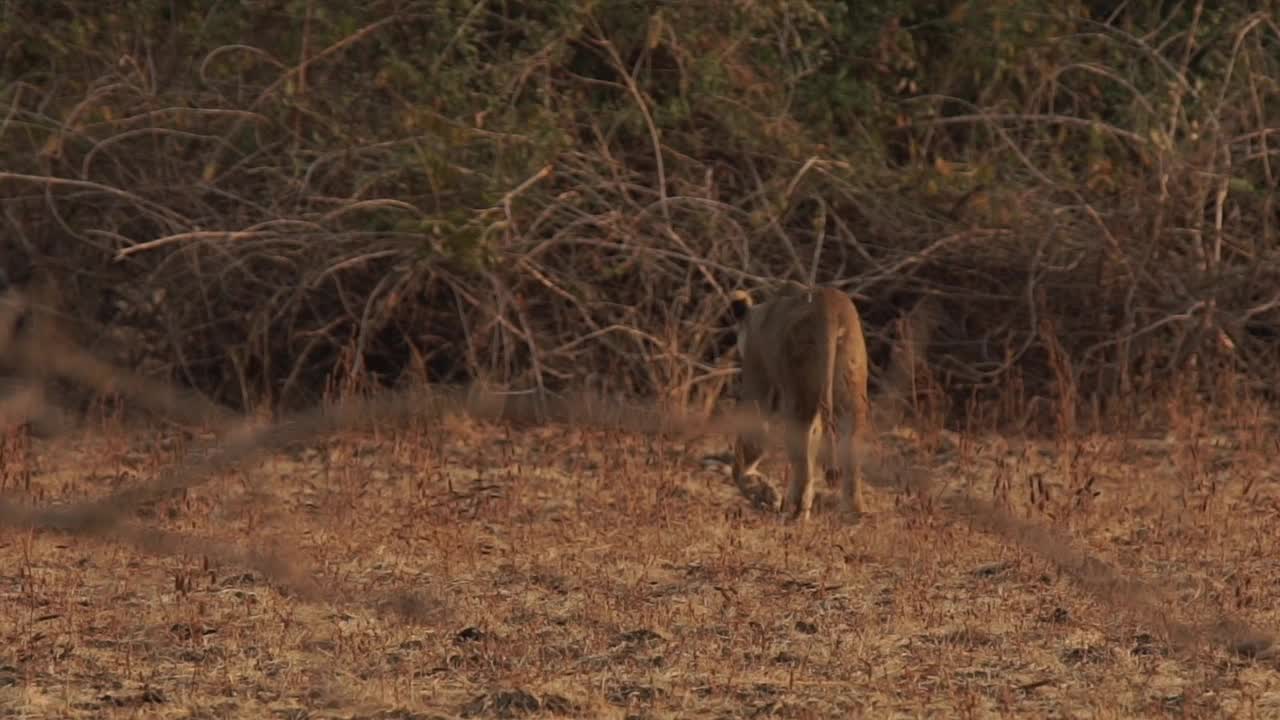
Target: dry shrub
x=273, y=203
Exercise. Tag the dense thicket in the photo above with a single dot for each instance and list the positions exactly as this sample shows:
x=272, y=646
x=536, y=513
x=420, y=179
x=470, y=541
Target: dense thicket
x=267, y=199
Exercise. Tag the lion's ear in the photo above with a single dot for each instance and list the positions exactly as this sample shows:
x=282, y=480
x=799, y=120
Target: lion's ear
x=739, y=304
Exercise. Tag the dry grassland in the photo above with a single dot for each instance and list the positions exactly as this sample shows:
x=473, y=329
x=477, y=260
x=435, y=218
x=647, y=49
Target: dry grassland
x=481, y=570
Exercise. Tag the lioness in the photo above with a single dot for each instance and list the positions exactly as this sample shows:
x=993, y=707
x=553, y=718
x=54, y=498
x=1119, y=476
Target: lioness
x=804, y=362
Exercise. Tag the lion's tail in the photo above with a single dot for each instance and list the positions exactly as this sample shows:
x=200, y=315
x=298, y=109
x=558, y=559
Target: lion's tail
x=828, y=400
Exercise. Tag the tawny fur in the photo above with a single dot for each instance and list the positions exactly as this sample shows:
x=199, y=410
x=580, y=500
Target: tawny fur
x=804, y=363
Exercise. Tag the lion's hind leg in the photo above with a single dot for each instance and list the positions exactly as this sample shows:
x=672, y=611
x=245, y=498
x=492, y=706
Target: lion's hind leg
x=851, y=462
x=802, y=451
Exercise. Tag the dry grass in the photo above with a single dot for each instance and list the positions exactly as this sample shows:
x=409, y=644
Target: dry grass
x=482, y=571
x=382, y=559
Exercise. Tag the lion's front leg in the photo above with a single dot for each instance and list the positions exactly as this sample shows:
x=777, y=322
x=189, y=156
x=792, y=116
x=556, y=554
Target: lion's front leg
x=747, y=451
